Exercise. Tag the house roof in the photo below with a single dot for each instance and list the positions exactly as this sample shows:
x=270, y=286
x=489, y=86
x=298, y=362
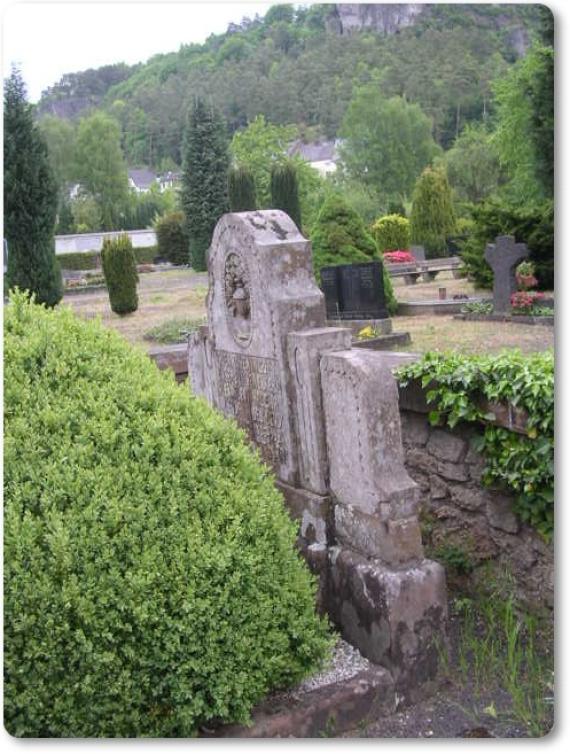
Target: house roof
x=315, y=151
x=141, y=177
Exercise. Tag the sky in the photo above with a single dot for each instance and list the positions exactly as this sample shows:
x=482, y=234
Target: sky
x=48, y=39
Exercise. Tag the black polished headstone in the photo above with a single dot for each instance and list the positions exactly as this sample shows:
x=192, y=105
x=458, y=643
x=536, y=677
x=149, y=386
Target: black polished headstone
x=354, y=291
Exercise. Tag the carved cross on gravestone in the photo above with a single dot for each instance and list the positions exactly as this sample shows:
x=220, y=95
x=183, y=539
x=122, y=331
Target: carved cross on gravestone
x=503, y=256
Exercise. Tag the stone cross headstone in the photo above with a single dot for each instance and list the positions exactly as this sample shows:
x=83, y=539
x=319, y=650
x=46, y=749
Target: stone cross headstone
x=354, y=291
x=503, y=256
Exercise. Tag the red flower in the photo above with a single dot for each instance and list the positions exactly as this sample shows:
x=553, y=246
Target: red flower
x=399, y=257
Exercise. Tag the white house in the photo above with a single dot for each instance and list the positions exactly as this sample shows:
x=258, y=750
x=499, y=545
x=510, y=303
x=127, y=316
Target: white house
x=322, y=155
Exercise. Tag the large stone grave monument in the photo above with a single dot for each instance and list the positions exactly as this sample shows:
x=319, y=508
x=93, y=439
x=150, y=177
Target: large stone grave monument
x=325, y=418
x=503, y=256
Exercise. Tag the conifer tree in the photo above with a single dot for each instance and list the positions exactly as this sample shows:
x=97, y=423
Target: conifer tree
x=285, y=191
x=432, y=218
x=241, y=189
x=121, y=276
x=30, y=200
x=204, y=181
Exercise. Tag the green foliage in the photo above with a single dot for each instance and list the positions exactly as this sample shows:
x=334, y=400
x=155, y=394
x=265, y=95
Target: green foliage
x=173, y=330
x=454, y=558
x=387, y=142
x=477, y=307
x=86, y=214
x=523, y=464
x=80, y=260
x=340, y=237
x=433, y=218
x=392, y=233
x=121, y=277
x=30, y=200
x=204, y=194
x=532, y=224
x=525, y=125
x=241, y=189
x=145, y=254
x=472, y=164
x=100, y=167
x=285, y=191
x=150, y=579
x=171, y=237
x=59, y=135
x=258, y=147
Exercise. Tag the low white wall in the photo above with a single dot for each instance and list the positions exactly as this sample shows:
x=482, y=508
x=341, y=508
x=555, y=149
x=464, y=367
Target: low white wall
x=94, y=241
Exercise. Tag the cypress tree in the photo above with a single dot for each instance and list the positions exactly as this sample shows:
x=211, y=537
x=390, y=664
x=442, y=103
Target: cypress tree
x=204, y=192
x=285, y=191
x=30, y=200
x=432, y=218
x=241, y=189
x=121, y=276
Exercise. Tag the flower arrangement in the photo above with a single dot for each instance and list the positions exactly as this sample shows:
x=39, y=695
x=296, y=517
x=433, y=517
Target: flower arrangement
x=525, y=276
x=523, y=302
x=399, y=257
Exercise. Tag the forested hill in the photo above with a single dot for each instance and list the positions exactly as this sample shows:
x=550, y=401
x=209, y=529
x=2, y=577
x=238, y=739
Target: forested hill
x=300, y=65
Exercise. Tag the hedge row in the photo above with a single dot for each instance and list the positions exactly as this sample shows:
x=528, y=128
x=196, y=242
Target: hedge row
x=91, y=260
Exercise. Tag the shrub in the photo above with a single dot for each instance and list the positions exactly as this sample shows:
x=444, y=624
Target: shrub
x=81, y=260
x=392, y=232
x=433, y=218
x=522, y=464
x=340, y=237
x=145, y=254
x=172, y=238
x=523, y=302
x=241, y=189
x=121, y=277
x=532, y=224
x=399, y=257
x=151, y=583
x=285, y=191
x=173, y=330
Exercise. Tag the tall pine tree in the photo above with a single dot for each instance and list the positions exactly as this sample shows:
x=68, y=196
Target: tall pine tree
x=30, y=200
x=204, y=180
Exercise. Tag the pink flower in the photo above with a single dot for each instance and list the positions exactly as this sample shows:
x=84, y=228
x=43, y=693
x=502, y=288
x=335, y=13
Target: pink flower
x=399, y=257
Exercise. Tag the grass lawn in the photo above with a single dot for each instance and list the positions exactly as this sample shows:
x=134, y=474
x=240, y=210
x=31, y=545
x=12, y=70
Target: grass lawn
x=169, y=299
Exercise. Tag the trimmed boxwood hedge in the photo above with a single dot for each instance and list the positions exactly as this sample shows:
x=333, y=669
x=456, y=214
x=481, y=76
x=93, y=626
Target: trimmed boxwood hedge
x=150, y=579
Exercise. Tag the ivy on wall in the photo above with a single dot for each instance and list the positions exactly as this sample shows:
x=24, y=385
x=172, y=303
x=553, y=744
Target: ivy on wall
x=522, y=463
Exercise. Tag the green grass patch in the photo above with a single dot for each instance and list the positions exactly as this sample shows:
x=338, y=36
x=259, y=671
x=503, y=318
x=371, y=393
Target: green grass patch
x=173, y=330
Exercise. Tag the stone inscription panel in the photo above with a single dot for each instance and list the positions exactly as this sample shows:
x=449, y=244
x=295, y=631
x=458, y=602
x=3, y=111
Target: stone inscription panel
x=250, y=390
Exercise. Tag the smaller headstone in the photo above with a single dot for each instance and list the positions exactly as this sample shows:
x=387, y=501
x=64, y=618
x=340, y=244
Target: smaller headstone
x=354, y=291
x=503, y=256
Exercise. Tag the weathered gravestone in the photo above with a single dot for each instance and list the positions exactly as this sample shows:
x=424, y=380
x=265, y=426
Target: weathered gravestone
x=354, y=291
x=325, y=418
x=503, y=256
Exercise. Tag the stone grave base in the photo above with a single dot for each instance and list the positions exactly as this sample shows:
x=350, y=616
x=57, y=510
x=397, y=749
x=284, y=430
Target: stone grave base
x=350, y=692
x=448, y=306
x=517, y=319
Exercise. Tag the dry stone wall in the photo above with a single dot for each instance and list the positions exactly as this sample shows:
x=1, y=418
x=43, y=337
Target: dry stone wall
x=459, y=513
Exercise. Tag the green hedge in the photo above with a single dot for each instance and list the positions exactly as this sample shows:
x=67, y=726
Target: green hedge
x=522, y=464
x=172, y=238
x=91, y=260
x=81, y=260
x=150, y=579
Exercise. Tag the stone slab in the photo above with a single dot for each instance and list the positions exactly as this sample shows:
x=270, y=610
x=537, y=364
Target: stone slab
x=327, y=711
x=394, y=542
x=364, y=443
x=503, y=256
x=313, y=512
x=304, y=353
x=396, y=617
